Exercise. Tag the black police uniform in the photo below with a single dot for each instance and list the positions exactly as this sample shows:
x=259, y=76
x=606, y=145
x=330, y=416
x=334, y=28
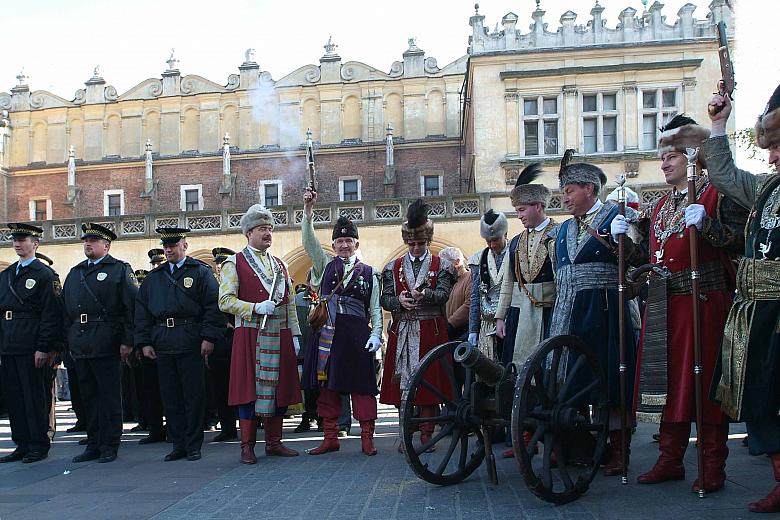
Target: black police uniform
x=30, y=321
x=99, y=300
x=174, y=313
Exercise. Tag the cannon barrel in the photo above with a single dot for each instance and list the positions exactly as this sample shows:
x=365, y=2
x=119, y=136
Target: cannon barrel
x=488, y=370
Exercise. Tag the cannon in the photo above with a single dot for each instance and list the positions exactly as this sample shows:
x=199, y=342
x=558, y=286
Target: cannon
x=555, y=406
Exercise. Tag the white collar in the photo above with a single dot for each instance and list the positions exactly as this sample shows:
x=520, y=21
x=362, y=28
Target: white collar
x=349, y=261
x=543, y=225
x=595, y=208
x=412, y=258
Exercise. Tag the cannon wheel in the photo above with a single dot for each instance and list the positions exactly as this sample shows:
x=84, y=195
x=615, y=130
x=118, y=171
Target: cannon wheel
x=456, y=448
x=568, y=414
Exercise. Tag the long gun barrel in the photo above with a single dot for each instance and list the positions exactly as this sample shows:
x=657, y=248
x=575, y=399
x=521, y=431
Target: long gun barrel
x=311, y=169
x=727, y=83
x=488, y=370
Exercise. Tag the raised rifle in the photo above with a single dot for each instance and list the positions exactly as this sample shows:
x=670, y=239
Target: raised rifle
x=311, y=170
x=727, y=83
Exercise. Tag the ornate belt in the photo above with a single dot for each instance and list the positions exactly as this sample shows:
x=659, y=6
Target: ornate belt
x=758, y=279
x=712, y=277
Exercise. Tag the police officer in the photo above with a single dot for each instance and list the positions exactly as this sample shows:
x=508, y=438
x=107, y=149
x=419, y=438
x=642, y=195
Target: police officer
x=30, y=328
x=99, y=293
x=219, y=366
x=177, y=322
x=136, y=378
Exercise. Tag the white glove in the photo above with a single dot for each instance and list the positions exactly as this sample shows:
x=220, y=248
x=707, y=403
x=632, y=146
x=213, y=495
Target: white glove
x=694, y=215
x=266, y=307
x=473, y=338
x=297, y=345
x=619, y=226
x=373, y=344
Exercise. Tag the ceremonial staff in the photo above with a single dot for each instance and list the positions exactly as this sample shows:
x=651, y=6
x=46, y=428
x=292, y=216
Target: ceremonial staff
x=273, y=289
x=693, y=238
x=621, y=180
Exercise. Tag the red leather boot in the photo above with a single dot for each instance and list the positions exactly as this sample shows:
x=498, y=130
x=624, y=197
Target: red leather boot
x=367, y=438
x=771, y=502
x=713, y=437
x=672, y=442
x=273, y=439
x=248, y=440
x=330, y=442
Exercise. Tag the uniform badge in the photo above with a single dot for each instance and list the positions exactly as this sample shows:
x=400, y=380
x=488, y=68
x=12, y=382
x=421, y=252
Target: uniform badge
x=101, y=277
x=187, y=282
x=57, y=287
x=29, y=283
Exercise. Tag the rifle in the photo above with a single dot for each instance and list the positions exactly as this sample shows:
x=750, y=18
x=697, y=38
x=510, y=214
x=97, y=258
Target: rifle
x=621, y=180
x=693, y=234
x=311, y=170
x=727, y=83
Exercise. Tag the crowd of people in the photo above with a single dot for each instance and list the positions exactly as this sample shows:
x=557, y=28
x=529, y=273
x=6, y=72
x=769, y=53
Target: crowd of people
x=242, y=330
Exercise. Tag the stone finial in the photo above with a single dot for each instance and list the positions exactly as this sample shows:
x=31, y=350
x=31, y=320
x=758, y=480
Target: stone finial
x=412, y=44
x=22, y=78
x=308, y=137
x=148, y=146
x=476, y=9
x=389, y=129
x=226, y=139
x=72, y=152
x=172, y=61
x=96, y=72
x=330, y=47
x=249, y=56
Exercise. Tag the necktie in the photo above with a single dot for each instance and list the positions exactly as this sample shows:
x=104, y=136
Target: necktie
x=416, y=266
x=90, y=264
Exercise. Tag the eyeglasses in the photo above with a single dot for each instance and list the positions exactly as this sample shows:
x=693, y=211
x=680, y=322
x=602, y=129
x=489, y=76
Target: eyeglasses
x=421, y=243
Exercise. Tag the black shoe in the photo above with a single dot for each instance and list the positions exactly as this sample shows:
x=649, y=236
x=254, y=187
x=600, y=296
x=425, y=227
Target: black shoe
x=320, y=427
x=83, y=442
x=225, y=436
x=34, y=456
x=78, y=427
x=151, y=438
x=87, y=456
x=109, y=456
x=13, y=456
x=193, y=455
x=305, y=426
x=140, y=427
x=175, y=455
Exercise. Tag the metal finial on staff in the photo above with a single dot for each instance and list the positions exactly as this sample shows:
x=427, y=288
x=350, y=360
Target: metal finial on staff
x=693, y=238
x=621, y=180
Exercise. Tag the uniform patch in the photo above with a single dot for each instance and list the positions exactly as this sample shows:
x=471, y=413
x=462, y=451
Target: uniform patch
x=57, y=287
x=29, y=283
x=101, y=276
x=188, y=282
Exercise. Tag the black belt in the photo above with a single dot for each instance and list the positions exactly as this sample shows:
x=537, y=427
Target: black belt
x=21, y=315
x=175, y=322
x=88, y=318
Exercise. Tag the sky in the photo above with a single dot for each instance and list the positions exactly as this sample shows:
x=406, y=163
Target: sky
x=58, y=43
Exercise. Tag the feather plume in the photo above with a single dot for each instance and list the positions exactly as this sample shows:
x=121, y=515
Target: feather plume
x=417, y=214
x=529, y=174
x=490, y=217
x=566, y=159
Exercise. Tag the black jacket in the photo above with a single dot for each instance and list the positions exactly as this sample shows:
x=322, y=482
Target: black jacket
x=35, y=322
x=175, y=318
x=96, y=324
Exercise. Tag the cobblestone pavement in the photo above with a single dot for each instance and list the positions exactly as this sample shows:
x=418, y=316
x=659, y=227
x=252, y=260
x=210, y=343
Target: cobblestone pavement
x=343, y=485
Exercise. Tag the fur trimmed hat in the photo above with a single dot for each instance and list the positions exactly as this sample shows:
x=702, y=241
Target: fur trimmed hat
x=344, y=228
x=417, y=226
x=525, y=192
x=680, y=133
x=493, y=225
x=256, y=215
x=768, y=124
x=580, y=173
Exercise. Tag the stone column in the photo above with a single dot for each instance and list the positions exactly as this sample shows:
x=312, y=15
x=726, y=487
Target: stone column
x=511, y=100
x=389, y=181
x=630, y=109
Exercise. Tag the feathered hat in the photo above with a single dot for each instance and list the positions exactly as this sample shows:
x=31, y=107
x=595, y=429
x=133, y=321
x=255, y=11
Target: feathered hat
x=525, y=192
x=580, y=173
x=680, y=133
x=768, y=124
x=417, y=226
x=493, y=225
x=344, y=228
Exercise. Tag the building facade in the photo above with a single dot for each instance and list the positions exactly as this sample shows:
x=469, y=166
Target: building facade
x=182, y=149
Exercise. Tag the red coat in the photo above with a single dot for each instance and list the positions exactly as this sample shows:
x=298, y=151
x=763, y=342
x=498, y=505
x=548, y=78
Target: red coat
x=680, y=400
x=243, y=360
x=433, y=332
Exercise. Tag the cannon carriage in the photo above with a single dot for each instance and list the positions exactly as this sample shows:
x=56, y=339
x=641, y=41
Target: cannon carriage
x=555, y=405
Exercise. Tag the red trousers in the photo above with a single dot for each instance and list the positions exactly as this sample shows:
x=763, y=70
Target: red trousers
x=329, y=405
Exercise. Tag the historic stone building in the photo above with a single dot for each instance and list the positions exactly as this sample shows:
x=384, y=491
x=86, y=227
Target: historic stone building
x=181, y=149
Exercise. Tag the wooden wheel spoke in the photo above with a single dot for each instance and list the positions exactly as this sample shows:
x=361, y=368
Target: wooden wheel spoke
x=433, y=440
x=552, y=382
x=581, y=393
x=546, y=469
x=561, y=463
x=447, y=362
x=447, y=456
x=435, y=391
x=531, y=448
x=570, y=377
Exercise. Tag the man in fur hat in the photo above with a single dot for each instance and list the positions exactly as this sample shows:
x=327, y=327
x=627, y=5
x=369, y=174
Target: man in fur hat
x=256, y=288
x=748, y=375
x=415, y=288
x=586, y=267
x=666, y=384
x=488, y=268
x=528, y=287
x=341, y=357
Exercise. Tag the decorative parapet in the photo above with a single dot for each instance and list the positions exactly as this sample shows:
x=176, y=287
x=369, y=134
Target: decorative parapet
x=650, y=26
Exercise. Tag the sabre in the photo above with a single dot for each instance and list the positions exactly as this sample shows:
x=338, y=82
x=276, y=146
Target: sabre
x=693, y=235
x=311, y=169
x=273, y=291
x=727, y=83
x=621, y=180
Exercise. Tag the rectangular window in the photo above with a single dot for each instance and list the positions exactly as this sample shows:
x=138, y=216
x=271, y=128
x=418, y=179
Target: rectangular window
x=540, y=126
x=599, y=122
x=550, y=106
x=550, y=137
x=531, y=138
x=431, y=186
x=530, y=108
x=40, y=210
x=191, y=200
x=658, y=107
x=191, y=197
x=114, y=205
x=271, y=197
x=350, y=189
